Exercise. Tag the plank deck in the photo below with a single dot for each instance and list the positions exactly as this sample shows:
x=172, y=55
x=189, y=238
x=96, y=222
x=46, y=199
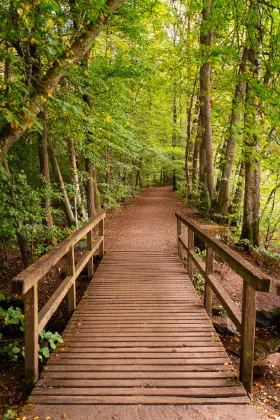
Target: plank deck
x=140, y=335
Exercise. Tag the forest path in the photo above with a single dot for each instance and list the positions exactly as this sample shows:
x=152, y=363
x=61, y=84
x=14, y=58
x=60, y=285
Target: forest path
x=145, y=223
x=67, y=388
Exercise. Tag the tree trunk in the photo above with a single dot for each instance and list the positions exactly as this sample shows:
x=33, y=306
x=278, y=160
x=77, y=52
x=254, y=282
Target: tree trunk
x=188, y=143
x=174, y=136
x=25, y=250
x=75, y=177
x=97, y=200
x=90, y=190
x=44, y=167
x=251, y=210
x=58, y=177
x=206, y=40
x=196, y=155
x=236, y=117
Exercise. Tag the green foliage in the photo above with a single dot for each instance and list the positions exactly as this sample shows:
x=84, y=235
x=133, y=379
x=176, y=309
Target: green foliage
x=199, y=283
x=10, y=415
x=14, y=317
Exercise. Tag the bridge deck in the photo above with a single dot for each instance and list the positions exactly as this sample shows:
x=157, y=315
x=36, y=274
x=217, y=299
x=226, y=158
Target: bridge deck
x=139, y=336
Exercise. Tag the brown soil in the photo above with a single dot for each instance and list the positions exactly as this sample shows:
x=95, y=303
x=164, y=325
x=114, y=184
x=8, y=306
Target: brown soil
x=144, y=223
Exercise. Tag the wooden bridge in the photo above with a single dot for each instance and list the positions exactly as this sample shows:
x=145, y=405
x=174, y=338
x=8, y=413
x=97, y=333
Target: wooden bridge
x=140, y=334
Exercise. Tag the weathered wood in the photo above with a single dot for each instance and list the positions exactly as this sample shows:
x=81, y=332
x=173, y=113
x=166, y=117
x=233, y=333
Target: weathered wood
x=89, y=247
x=70, y=257
x=101, y=233
x=209, y=270
x=31, y=334
x=258, y=280
x=27, y=278
x=179, y=232
x=190, y=247
x=248, y=336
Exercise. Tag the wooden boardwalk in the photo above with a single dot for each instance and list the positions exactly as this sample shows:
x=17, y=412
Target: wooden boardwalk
x=140, y=335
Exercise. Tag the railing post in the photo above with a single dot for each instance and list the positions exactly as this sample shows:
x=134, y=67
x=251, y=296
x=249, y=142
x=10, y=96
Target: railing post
x=31, y=334
x=209, y=270
x=179, y=232
x=190, y=248
x=101, y=233
x=70, y=257
x=247, y=336
x=90, y=265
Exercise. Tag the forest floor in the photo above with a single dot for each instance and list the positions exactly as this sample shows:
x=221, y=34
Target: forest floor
x=147, y=223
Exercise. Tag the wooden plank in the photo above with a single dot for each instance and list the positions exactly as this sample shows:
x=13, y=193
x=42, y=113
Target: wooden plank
x=141, y=391
x=86, y=400
x=175, y=375
x=131, y=383
x=90, y=267
x=135, y=367
x=209, y=268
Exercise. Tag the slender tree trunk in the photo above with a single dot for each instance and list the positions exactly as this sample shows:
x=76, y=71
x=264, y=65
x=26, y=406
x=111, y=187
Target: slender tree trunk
x=174, y=135
x=235, y=122
x=188, y=143
x=90, y=190
x=206, y=40
x=251, y=209
x=75, y=176
x=97, y=200
x=44, y=166
x=25, y=250
x=58, y=177
x=137, y=182
x=196, y=155
x=236, y=203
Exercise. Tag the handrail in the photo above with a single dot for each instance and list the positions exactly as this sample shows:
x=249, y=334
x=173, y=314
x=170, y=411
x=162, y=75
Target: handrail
x=253, y=280
x=258, y=280
x=27, y=283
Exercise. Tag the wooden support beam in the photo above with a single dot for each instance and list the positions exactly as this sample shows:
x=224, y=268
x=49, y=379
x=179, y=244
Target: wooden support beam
x=208, y=290
x=71, y=273
x=101, y=233
x=188, y=249
x=90, y=265
x=179, y=232
x=248, y=336
x=31, y=335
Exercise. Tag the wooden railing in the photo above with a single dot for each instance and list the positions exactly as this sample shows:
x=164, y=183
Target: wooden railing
x=253, y=280
x=27, y=283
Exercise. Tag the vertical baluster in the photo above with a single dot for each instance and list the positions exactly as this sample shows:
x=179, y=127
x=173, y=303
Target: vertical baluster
x=208, y=290
x=179, y=232
x=190, y=248
x=71, y=272
x=31, y=334
x=90, y=265
x=247, y=336
x=101, y=233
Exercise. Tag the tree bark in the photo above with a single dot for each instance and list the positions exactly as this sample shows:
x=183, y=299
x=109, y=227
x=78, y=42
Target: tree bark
x=188, y=143
x=251, y=209
x=206, y=40
x=75, y=177
x=44, y=167
x=196, y=155
x=174, y=135
x=58, y=177
x=48, y=82
x=90, y=190
x=236, y=117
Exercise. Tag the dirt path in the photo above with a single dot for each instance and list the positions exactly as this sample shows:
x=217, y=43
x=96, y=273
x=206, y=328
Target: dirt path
x=146, y=223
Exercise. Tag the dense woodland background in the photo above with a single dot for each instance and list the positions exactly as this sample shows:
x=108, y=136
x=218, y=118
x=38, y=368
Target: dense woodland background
x=100, y=99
